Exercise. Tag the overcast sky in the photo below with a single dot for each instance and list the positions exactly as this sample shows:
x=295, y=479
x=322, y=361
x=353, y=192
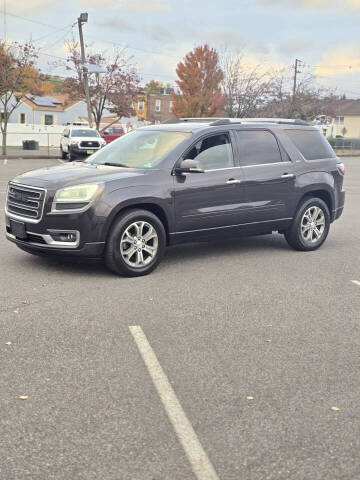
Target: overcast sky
x=324, y=34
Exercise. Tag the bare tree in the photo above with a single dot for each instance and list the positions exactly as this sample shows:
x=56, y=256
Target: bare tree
x=17, y=78
x=115, y=89
x=246, y=88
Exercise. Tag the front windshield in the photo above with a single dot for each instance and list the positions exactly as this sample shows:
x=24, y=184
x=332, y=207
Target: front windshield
x=84, y=133
x=138, y=149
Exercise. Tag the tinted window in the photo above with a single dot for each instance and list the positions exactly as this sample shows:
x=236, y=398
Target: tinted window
x=311, y=143
x=212, y=152
x=258, y=147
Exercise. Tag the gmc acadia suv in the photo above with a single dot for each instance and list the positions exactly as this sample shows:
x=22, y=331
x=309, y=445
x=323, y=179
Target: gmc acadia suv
x=187, y=180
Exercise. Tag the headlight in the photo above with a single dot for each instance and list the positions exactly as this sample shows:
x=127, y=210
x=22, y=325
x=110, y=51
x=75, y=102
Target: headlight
x=74, y=142
x=76, y=197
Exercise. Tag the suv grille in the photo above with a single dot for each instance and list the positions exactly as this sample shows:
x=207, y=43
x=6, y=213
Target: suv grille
x=25, y=201
x=86, y=143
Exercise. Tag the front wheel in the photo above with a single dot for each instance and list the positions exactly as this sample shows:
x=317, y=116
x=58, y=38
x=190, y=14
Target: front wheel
x=136, y=243
x=310, y=226
x=63, y=154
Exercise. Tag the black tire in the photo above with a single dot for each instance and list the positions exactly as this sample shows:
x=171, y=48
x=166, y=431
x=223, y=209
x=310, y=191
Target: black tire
x=113, y=256
x=63, y=154
x=294, y=235
x=72, y=157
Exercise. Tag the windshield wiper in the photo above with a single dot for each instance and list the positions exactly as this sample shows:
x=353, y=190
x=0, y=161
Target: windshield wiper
x=109, y=164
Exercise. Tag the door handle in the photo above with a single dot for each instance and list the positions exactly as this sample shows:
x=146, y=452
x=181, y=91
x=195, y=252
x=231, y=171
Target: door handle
x=233, y=180
x=288, y=175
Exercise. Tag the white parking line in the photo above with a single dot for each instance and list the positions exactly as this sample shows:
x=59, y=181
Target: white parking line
x=356, y=282
x=195, y=453
x=5, y=161
x=61, y=161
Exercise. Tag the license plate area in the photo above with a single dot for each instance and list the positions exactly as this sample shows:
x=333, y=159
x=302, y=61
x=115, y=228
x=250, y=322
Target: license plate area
x=18, y=229
x=89, y=152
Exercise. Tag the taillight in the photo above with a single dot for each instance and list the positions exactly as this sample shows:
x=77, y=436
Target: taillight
x=341, y=168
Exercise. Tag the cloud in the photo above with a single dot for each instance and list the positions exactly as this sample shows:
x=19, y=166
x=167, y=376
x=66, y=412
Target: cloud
x=145, y=6
x=295, y=46
x=320, y=4
x=28, y=6
x=338, y=61
x=118, y=24
x=158, y=33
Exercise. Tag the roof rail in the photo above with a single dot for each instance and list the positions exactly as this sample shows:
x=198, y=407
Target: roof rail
x=227, y=121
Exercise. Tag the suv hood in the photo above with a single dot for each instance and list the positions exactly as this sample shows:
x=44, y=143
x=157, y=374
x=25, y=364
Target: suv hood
x=76, y=173
x=86, y=139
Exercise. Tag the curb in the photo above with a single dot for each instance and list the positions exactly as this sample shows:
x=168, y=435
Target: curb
x=28, y=157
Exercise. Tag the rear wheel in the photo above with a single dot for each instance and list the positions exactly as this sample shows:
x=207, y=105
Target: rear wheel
x=310, y=226
x=136, y=243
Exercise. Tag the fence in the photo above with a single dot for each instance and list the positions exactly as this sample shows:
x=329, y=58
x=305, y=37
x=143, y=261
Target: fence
x=345, y=144
x=30, y=143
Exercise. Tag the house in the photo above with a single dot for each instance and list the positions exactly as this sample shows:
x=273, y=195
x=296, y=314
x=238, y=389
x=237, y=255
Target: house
x=160, y=105
x=154, y=107
x=346, y=119
x=56, y=109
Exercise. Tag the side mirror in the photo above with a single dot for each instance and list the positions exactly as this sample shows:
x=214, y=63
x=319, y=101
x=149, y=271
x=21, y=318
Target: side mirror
x=105, y=133
x=189, y=166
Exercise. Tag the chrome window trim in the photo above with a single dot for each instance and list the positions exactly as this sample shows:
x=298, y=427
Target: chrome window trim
x=246, y=166
x=19, y=217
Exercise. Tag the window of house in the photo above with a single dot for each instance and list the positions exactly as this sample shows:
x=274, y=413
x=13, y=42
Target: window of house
x=171, y=103
x=339, y=120
x=49, y=120
x=141, y=105
x=257, y=147
x=212, y=153
x=22, y=118
x=157, y=105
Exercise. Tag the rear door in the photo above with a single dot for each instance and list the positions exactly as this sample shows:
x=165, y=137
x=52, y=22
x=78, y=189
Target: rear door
x=211, y=199
x=269, y=180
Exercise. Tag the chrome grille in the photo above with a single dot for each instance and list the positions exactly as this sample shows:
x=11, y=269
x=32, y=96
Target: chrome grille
x=24, y=201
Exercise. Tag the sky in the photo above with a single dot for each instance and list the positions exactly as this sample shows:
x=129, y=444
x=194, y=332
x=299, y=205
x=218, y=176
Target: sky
x=323, y=34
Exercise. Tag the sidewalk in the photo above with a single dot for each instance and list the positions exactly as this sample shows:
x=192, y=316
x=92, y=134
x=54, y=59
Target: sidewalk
x=20, y=153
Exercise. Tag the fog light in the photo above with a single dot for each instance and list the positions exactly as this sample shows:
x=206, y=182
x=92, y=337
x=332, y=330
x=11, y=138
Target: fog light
x=64, y=236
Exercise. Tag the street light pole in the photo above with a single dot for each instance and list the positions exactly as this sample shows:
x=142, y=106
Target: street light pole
x=83, y=19
x=296, y=71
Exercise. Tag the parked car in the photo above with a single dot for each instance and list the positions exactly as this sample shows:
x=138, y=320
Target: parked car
x=77, y=141
x=111, y=133
x=187, y=181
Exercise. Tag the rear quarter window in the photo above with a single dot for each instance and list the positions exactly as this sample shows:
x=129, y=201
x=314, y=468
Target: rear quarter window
x=312, y=144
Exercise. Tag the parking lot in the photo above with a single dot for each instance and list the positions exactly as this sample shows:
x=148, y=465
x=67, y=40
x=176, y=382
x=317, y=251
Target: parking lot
x=243, y=351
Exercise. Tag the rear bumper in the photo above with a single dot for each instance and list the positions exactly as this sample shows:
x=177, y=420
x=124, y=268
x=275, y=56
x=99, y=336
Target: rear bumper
x=339, y=210
x=88, y=250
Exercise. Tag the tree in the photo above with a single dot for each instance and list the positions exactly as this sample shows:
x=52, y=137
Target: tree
x=153, y=86
x=115, y=89
x=200, y=77
x=245, y=88
x=310, y=100
x=17, y=78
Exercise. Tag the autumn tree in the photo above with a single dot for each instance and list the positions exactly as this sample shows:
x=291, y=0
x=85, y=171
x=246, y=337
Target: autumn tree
x=115, y=89
x=18, y=76
x=199, y=82
x=153, y=86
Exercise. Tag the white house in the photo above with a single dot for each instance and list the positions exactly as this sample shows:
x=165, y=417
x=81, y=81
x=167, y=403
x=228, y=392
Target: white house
x=56, y=109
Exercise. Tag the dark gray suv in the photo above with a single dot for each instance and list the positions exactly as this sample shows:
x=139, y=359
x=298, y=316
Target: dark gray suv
x=187, y=180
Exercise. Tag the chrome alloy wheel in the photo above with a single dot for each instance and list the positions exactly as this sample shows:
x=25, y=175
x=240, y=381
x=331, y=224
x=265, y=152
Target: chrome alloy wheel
x=139, y=244
x=313, y=224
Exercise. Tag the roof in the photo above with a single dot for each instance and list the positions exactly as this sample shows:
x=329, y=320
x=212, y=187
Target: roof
x=55, y=102
x=347, y=107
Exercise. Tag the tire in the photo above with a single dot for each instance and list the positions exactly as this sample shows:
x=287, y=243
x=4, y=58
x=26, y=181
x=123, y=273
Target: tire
x=122, y=257
x=72, y=157
x=310, y=226
x=63, y=154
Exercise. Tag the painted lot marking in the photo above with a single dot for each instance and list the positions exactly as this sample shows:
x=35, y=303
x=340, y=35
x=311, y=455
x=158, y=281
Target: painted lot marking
x=5, y=161
x=195, y=453
x=356, y=282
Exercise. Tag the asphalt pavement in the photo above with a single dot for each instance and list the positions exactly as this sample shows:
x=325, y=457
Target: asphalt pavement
x=245, y=363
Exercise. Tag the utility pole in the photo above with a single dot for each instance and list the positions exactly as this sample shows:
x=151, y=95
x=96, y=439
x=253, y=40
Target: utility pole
x=83, y=19
x=296, y=71
x=5, y=34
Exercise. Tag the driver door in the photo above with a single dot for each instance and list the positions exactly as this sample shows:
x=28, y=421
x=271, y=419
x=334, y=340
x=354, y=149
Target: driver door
x=213, y=199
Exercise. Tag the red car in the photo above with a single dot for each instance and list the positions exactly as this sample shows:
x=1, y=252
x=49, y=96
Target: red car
x=111, y=133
